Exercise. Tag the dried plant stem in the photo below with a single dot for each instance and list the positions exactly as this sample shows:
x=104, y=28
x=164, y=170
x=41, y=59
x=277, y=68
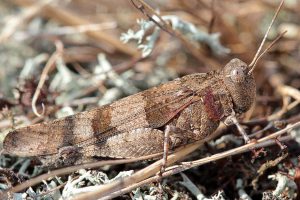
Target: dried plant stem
x=282, y=111
x=138, y=176
x=67, y=170
x=14, y=23
x=65, y=30
x=286, y=91
x=44, y=75
x=51, y=190
x=64, y=16
x=150, y=13
x=153, y=168
x=120, y=185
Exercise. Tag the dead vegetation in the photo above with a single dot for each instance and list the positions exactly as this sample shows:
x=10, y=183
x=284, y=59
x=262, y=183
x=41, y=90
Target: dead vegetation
x=62, y=57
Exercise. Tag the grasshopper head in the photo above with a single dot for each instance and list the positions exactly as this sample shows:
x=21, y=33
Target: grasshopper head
x=240, y=83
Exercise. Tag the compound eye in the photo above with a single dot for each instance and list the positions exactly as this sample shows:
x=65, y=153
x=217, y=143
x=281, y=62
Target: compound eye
x=237, y=75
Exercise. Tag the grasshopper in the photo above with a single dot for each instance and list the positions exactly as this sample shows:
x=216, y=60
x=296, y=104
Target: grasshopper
x=192, y=106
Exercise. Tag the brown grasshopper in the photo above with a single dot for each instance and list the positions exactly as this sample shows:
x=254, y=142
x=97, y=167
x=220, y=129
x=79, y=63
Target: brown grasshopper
x=193, y=106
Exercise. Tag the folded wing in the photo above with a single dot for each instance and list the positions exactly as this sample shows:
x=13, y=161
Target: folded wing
x=152, y=108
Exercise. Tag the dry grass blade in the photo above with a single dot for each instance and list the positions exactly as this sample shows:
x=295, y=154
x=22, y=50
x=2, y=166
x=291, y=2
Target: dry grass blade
x=50, y=64
x=13, y=24
x=69, y=18
x=68, y=170
x=145, y=173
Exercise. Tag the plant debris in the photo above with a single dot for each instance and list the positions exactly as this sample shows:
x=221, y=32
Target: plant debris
x=59, y=58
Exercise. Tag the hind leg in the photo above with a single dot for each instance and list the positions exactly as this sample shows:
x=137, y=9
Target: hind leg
x=132, y=144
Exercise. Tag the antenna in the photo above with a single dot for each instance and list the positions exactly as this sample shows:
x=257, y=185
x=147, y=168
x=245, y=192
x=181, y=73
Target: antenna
x=257, y=56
